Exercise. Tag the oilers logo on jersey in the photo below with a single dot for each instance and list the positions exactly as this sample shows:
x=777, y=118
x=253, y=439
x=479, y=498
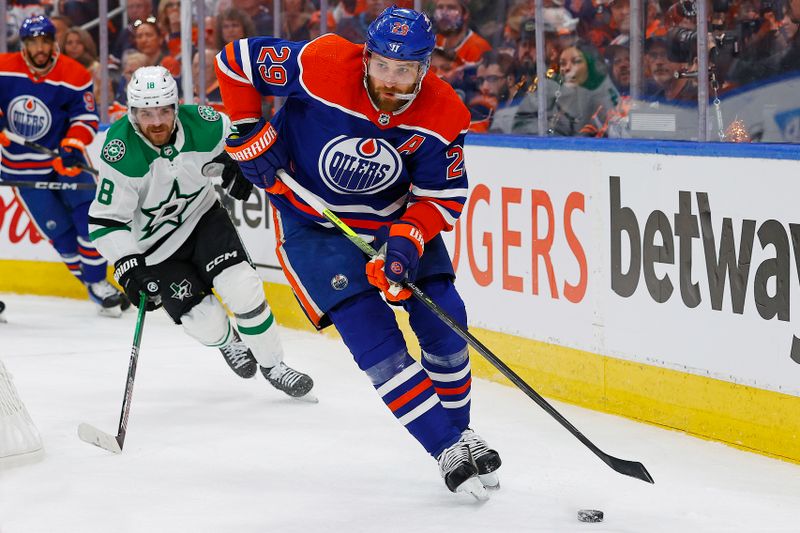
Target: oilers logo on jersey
x=358, y=165
x=29, y=116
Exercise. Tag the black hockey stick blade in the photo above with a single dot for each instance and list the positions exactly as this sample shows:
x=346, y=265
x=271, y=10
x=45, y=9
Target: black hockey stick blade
x=101, y=439
x=633, y=469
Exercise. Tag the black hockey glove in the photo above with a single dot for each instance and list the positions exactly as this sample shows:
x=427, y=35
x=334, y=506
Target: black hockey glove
x=133, y=275
x=232, y=178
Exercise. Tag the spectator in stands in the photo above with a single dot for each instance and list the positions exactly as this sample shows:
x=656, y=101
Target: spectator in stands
x=232, y=25
x=451, y=18
x=62, y=24
x=131, y=61
x=169, y=21
x=662, y=70
x=78, y=45
x=315, y=24
x=620, y=21
x=790, y=61
x=213, y=97
x=763, y=47
x=258, y=13
x=578, y=103
x=295, y=16
x=149, y=40
x=124, y=41
x=525, y=51
x=494, y=79
x=618, y=59
x=79, y=11
x=17, y=11
x=354, y=29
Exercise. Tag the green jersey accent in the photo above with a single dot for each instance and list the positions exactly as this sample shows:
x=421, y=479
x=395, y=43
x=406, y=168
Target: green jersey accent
x=158, y=193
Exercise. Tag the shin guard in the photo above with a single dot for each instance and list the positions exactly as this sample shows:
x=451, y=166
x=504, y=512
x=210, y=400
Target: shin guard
x=243, y=292
x=379, y=349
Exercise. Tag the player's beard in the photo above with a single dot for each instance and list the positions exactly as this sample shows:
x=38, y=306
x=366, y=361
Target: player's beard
x=158, y=134
x=383, y=99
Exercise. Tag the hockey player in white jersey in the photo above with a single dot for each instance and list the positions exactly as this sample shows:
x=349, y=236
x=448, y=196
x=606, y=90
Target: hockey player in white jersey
x=159, y=220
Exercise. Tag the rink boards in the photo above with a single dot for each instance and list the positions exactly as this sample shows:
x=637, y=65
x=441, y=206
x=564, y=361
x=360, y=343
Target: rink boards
x=656, y=281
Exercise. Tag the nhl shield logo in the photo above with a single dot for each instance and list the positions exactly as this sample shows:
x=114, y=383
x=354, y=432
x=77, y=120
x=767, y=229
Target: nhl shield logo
x=114, y=151
x=28, y=116
x=383, y=119
x=339, y=282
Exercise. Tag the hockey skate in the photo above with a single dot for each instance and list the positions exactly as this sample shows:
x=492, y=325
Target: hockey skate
x=459, y=471
x=239, y=357
x=486, y=459
x=107, y=297
x=286, y=379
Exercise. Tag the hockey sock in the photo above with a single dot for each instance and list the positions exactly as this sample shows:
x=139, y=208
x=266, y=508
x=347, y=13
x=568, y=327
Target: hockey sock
x=243, y=292
x=260, y=333
x=92, y=263
x=73, y=263
x=452, y=379
x=411, y=397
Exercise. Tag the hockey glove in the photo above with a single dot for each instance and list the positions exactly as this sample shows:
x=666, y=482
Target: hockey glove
x=397, y=261
x=260, y=153
x=233, y=180
x=71, y=153
x=4, y=141
x=133, y=276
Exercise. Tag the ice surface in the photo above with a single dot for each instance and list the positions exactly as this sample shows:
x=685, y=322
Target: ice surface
x=209, y=452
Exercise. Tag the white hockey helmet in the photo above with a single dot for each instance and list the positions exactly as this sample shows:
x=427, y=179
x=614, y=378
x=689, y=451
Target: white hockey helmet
x=151, y=87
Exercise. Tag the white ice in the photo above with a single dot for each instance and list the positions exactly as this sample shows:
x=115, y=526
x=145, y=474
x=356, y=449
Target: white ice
x=209, y=452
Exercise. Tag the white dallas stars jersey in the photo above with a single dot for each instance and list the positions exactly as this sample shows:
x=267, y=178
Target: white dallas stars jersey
x=150, y=199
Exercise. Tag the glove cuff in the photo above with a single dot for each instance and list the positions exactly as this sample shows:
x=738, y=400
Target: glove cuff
x=410, y=232
x=125, y=264
x=253, y=146
x=73, y=144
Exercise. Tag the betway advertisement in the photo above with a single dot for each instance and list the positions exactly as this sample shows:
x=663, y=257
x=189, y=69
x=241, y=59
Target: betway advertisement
x=690, y=263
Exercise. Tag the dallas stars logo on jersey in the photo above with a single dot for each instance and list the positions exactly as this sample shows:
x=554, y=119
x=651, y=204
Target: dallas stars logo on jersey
x=170, y=211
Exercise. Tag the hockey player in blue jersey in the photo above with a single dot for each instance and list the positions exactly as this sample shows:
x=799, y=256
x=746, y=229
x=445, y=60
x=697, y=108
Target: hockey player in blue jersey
x=47, y=98
x=368, y=134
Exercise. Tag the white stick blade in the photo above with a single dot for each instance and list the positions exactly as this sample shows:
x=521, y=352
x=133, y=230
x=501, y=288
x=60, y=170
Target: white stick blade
x=92, y=435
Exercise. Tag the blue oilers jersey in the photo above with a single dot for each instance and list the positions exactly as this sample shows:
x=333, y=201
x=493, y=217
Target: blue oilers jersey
x=369, y=167
x=43, y=110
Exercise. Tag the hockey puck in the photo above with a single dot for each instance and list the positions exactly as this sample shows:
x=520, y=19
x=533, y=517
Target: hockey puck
x=590, y=515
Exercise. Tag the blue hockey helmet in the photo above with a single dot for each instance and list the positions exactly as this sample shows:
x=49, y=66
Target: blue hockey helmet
x=36, y=26
x=402, y=34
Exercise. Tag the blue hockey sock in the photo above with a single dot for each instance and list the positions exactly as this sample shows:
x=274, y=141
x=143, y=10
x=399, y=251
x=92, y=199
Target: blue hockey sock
x=452, y=378
x=93, y=264
x=411, y=397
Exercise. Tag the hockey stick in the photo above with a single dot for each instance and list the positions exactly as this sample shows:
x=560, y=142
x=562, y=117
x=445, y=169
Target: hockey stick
x=36, y=147
x=49, y=185
x=629, y=468
x=101, y=439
